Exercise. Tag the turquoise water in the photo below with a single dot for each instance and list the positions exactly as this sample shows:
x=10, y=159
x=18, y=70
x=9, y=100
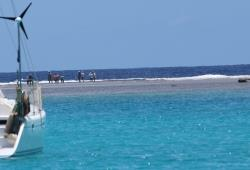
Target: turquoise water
x=184, y=130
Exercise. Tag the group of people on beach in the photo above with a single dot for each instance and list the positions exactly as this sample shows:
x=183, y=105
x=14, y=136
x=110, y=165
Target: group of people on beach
x=30, y=80
x=80, y=77
x=81, y=74
x=55, y=77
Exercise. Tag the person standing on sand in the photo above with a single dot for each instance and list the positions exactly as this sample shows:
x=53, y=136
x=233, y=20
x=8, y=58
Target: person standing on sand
x=91, y=76
x=49, y=77
x=79, y=75
x=94, y=76
x=62, y=79
x=82, y=76
x=30, y=80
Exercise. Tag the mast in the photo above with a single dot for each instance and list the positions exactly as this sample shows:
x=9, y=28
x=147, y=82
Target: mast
x=19, y=57
x=19, y=99
x=19, y=82
x=19, y=21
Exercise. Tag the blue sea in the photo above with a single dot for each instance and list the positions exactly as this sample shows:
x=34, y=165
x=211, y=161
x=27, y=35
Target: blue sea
x=199, y=129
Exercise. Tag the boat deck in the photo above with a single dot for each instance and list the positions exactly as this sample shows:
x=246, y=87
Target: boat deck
x=4, y=142
x=15, y=145
x=5, y=111
x=6, y=147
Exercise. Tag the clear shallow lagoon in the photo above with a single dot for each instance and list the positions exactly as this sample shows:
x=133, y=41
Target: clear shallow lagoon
x=200, y=129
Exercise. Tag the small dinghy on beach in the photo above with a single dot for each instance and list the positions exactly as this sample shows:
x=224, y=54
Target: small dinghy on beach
x=22, y=120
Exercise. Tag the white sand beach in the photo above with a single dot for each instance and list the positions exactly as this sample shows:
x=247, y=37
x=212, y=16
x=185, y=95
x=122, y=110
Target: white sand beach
x=132, y=86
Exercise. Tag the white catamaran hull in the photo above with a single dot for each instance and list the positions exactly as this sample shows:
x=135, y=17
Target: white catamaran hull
x=29, y=139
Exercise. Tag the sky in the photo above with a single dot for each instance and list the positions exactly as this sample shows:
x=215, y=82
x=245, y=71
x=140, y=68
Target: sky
x=98, y=34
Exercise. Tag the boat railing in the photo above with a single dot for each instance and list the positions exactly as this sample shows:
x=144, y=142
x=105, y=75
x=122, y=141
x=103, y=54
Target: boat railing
x=35, y=97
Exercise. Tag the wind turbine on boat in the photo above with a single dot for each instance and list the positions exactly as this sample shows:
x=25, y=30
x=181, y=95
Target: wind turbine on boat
x=20, y=26
x=19, y=21
x=23, y=119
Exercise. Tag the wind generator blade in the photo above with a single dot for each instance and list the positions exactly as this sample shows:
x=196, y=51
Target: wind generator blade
x=23, y=29
x=9, y=18
x=24, y=12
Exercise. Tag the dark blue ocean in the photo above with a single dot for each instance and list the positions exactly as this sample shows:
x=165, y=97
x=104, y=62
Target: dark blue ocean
x=163, y=72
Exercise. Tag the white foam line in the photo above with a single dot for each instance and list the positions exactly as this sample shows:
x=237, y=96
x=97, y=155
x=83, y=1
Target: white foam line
x=201, y=77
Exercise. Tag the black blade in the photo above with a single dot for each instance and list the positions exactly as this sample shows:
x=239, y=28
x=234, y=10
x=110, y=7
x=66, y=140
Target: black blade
x=24, y=12
x=9, y=18
x=23, y=29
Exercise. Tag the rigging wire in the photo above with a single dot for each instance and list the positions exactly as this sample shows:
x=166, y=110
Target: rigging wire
x=13, y=7
x=25, y=48
x=28, y=56
x=26, y=51
x=25, y=55
x=8, y=29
